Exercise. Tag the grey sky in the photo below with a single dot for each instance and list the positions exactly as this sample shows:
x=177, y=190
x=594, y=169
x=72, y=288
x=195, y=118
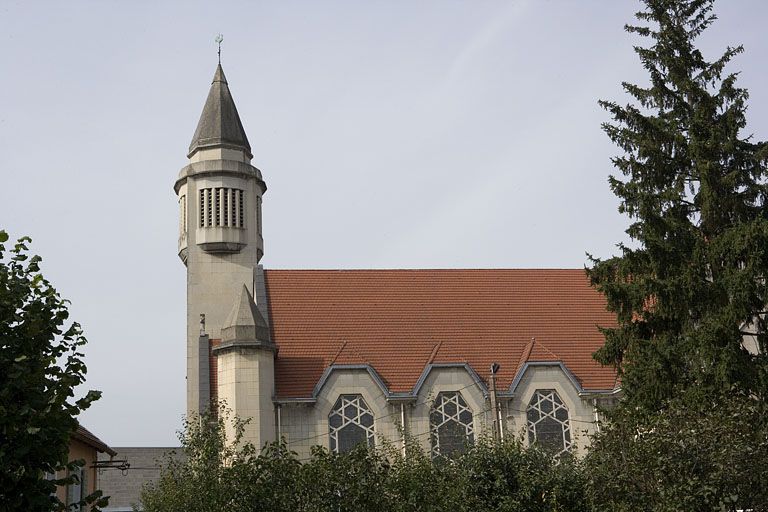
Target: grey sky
x=390, y=134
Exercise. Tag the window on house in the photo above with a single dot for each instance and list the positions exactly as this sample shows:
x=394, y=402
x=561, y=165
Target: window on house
x=51, y=475
x=77, y=490
x=350, y=423
x=450, y=424
x=548, y=423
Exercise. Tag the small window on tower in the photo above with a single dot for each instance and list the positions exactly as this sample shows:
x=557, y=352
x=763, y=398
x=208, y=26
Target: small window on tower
x=233, y=206
x=241, y=212
x=202, y=208
x=208, y=208
x=217, y=206
x=183, y=214
x=225, y=206
x=258, y=214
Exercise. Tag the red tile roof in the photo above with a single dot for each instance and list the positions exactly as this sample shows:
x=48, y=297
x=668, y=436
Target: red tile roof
x=84, y=435
x=399, y=321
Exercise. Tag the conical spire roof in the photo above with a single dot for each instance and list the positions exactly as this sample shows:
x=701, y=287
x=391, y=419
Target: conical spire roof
x=244, y=322
x=219, y=123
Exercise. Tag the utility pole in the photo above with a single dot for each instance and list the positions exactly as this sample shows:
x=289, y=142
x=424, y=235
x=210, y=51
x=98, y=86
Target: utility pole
x=494, y=403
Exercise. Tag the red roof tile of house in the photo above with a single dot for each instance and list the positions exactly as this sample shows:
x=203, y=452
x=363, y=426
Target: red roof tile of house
x=84, y=435
x=399, y=321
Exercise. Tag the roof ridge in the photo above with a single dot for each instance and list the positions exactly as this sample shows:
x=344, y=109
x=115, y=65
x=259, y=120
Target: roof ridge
x=546, y=349
x=525, y=355
x=434, y=352
x=350, y=347
x=338, y=352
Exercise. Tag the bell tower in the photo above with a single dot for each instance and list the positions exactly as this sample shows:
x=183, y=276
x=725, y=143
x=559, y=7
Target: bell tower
x=220, y=239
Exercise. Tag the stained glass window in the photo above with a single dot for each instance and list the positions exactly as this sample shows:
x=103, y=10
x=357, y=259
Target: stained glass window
x=548, y=424
x=350, y=423
x=450, y=422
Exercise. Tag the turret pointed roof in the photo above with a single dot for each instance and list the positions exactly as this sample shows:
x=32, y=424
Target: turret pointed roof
x=244, y=322
x=219, y=123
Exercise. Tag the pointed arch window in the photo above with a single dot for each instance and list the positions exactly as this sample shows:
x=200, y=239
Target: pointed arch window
x=548, y=422
x=350, y=423
x=450, y=424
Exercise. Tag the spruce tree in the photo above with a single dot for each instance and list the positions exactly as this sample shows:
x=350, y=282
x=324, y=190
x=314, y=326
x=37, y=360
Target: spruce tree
x=693, y=282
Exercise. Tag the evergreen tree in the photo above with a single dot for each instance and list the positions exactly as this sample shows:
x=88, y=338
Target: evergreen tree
x=694, y=283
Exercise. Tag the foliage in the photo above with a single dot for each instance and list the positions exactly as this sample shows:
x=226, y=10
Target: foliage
x=696, y=194
x=208, y=475
x=691, y=432
x=41, y=363
x=487, y=477
x=689, y=455
x=509, y=477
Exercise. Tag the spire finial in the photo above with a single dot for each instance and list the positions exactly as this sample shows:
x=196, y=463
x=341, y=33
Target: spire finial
x=219, y=39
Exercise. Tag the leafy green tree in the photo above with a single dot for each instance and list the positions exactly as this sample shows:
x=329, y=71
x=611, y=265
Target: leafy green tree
x=219, y=476
x=692, y=454
x=347, y=482
x=420, y=484
x=694, y=282
x=208, y=475
x=41, y=364
x=510, y=477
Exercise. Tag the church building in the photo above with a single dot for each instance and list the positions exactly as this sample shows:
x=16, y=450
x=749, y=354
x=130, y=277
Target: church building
x=384, y=357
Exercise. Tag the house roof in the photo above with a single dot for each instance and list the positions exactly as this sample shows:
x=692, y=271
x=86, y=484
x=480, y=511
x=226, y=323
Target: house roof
x=401, y=321
x=84, y=435
x=219, y=123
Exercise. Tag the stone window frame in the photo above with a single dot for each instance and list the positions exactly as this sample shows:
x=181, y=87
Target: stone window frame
x=439, y=417
x=546, y=405
x=359, y=418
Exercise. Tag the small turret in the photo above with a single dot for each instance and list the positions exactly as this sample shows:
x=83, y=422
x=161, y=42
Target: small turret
x=245, y=325
x=246, y=369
